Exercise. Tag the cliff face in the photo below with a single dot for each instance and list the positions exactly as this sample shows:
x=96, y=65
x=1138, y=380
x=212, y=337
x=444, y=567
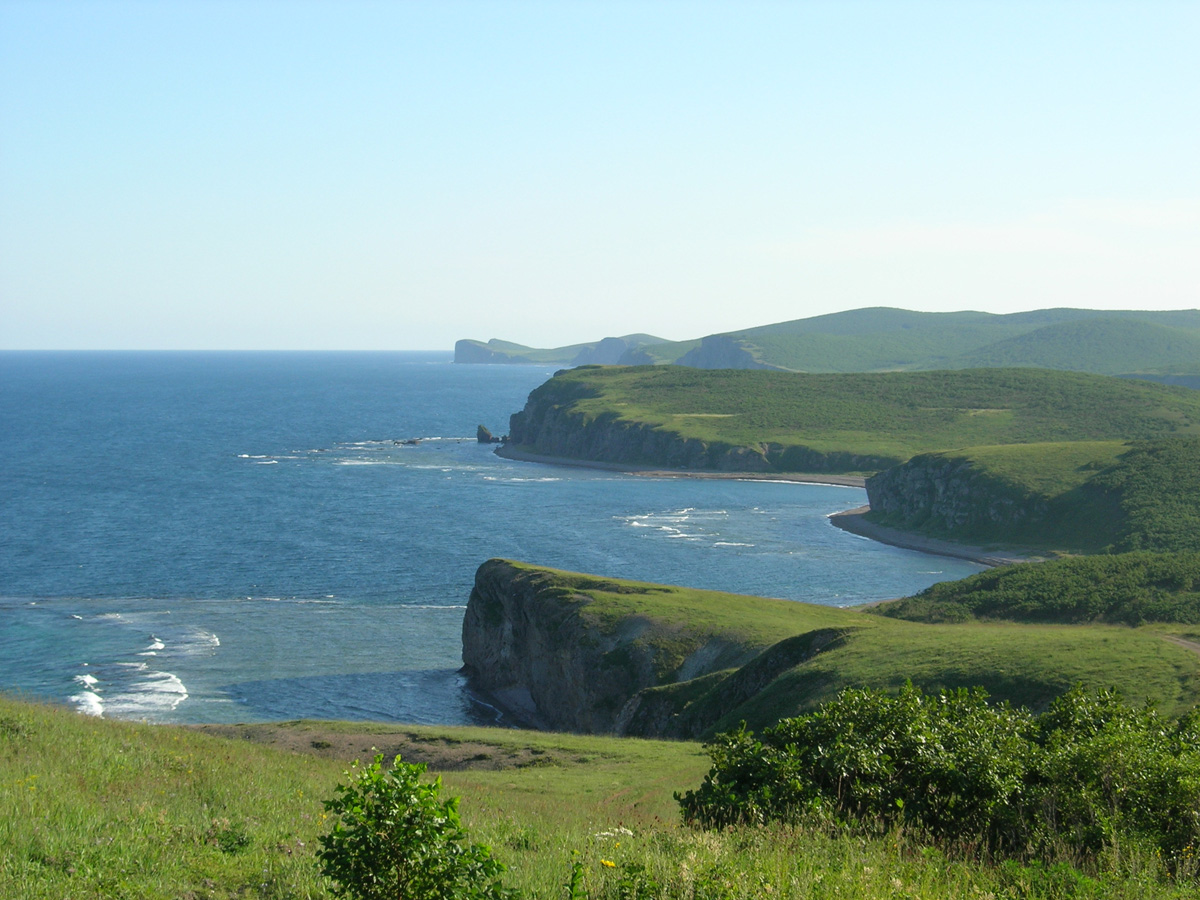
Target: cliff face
x=722, y=351
x=552, y=430
x=535, y=646
x=943, y=494
x=549, y=426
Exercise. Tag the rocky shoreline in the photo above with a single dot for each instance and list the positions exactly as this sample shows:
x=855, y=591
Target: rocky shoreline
x=507, y=451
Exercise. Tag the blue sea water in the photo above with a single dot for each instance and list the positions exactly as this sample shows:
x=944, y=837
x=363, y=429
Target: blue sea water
x=233, y=537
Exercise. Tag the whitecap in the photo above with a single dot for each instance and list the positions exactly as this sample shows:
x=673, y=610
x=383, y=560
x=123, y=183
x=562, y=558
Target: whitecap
x=88, y=680
x=153, y=695
x=88, y=703
x=730, y=544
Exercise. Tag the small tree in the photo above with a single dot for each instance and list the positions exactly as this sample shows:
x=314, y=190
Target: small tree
x=393, y=839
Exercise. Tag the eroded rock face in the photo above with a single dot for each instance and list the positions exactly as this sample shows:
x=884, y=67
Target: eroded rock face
x=947, y=494
x=552, y=430
x=533, y=645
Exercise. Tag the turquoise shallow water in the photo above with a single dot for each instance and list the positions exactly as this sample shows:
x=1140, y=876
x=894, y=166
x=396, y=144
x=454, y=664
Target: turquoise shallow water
x=239, y=536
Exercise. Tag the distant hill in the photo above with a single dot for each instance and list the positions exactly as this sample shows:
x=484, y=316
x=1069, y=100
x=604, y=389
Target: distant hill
x=1161, y=345
x=608, y=351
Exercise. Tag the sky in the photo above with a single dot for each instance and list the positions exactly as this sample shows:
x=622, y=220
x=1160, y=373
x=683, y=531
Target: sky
x=355, y=175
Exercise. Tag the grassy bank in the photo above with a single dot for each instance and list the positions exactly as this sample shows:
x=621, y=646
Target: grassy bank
x=808, y=653
x=96, y=809
x=889, y=416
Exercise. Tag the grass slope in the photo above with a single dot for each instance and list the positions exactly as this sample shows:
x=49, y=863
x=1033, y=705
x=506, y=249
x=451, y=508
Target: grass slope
x=1108, y=346
x=890, y=416
x=878, y=339
x=1025, y=664
x=1083, y=496
x=98, y=809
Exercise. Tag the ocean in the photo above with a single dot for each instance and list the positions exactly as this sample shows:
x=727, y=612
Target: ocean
x=238, y=537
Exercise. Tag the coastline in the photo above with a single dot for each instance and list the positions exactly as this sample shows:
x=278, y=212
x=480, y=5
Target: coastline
x=855, y=522
x=506, y=452
x=851, y=520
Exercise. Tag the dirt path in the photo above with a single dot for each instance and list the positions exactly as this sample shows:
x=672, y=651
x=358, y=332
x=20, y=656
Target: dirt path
x=1182, y=642
x=337, y=741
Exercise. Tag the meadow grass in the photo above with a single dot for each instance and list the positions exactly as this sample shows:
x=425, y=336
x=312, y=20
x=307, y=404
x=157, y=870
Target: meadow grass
x=99, y=809
x=1027, y=664
x=892, y=416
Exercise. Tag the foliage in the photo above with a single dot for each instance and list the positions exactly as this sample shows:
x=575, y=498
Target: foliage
x=860, y=422
x=1158, y=486
x=950, y=764
x=125, y=811
x=1082, y=495
x=393, y=839
x=1088, y=774
x=883, y=339
x=1126, y=588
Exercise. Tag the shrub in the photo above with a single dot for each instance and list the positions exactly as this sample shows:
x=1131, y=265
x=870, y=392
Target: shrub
x=393, y=839
x=1088, y=774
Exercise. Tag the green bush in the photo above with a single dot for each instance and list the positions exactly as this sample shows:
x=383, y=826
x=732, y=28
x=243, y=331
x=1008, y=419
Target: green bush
x=393, y=839
x=950, y=764
x=1090, y=773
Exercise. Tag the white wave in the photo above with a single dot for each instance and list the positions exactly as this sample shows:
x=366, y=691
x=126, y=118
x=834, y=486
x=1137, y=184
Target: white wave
x=431, y=606
x=267, y=462
x=88, y=680
x=156, y=644
x=362, y=462
x=253, y=456
x=730, y=544
x=154, y=695
x=88, y=703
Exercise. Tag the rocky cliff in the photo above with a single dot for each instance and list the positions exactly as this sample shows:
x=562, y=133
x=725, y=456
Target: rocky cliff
x=551, y=425
x=548, y=652
x=723, y=351
x=946, y=494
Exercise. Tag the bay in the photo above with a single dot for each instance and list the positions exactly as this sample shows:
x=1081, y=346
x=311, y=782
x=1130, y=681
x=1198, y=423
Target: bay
x=221, y=537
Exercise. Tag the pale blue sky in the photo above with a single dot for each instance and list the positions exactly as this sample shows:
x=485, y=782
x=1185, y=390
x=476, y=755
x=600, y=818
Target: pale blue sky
x=358, y=175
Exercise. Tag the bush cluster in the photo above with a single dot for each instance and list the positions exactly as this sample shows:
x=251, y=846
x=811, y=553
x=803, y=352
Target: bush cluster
x=1125, y=588
x=1090, y=773
x=394, y=839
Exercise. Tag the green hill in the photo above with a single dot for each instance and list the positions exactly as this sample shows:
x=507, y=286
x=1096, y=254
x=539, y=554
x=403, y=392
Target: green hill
x=746, y=419
x=604, y=352
x=1080, y=496
x=1109, y=346
x=878, y=339
x=663, y=661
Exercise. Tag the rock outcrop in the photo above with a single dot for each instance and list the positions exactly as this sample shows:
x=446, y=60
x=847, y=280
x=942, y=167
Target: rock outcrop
x=722, y=351
x=536, y=646
x=945, y=494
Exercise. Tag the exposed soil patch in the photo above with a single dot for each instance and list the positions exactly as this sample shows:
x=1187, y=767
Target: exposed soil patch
x=439, y=753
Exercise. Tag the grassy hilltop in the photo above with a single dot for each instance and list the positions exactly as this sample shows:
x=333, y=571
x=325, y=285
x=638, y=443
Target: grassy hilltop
x=880, y=339
x=892, y=416
x=807, y=653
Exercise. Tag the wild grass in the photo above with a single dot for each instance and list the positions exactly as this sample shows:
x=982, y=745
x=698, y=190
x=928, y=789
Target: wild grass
x=98, y=809
x=890, y=416
x=1027, y=664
